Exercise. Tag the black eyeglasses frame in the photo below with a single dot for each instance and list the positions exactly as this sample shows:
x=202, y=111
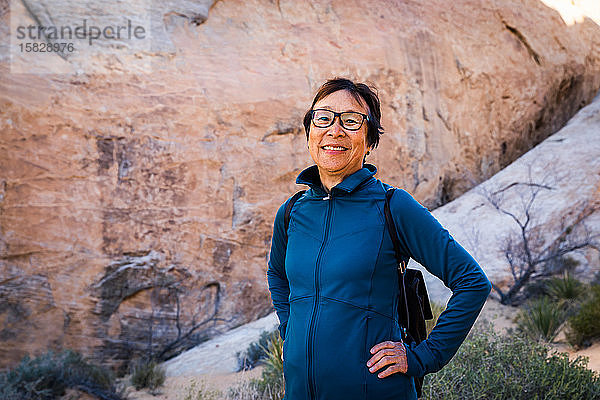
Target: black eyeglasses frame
x=339, y=117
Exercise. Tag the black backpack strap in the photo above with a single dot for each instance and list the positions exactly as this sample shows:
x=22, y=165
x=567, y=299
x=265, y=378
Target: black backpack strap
x=288, y=209
x=403, y=311
x=413, y=304
x=389, y=221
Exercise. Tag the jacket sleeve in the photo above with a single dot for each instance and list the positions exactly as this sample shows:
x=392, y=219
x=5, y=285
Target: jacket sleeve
x=428, y=243
x=276, y=276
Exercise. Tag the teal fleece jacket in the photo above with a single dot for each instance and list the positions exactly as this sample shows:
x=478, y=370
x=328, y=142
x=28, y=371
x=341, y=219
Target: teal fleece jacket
x=334, y=287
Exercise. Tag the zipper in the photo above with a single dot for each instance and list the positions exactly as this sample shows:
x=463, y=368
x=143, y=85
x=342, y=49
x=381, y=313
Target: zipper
x=366, y=354
x=310, y=347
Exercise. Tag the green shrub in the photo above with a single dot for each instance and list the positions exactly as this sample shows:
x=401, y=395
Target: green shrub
x=492, y=367
x=539, y=287
x=436, y=310
x=49, y=375
x=256, y=352
x=585, y=324
x=147, y=374
x=566, y=290
x=271, y=385
x=272, y=374
x=199, y=391
x=541, y=319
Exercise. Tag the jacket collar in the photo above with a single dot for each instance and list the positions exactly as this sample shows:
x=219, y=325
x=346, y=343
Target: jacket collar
x=310, y=177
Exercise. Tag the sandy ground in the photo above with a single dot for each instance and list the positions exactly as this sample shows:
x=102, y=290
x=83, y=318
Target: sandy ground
x=501, y=316
x=176, y=388
x=592, y=353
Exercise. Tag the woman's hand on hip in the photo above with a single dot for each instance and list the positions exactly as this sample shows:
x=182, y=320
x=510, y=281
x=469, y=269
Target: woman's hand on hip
x=388, y=353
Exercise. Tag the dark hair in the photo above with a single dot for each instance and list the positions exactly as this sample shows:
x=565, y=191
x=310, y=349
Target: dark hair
x=359, y=91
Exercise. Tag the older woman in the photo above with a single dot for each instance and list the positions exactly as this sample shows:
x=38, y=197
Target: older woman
x=332, y=274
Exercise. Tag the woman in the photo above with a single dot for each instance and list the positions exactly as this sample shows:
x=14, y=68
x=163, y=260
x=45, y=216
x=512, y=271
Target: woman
x=332, y=275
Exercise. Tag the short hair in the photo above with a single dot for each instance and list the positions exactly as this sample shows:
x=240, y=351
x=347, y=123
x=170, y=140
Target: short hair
x=359, y=91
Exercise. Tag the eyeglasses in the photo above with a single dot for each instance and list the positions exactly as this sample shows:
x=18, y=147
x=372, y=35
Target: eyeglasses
x=349, y=120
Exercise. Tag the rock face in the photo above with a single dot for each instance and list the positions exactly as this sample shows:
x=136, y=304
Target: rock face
x=136, y=206
x=220, y=355
x=563, y=174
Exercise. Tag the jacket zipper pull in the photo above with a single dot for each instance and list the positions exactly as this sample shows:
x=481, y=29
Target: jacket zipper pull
x=326, y=197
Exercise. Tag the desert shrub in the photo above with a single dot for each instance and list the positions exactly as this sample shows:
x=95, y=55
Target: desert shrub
x=584, y=325
x=256, y=352
x=199, y=391
x=272, y=374
x=493, y=367
x=147, y=374
x=559, y=288
x=436, y=310
x=541, y=319
x=565, y=290
x=271, y=385
x=49, y=375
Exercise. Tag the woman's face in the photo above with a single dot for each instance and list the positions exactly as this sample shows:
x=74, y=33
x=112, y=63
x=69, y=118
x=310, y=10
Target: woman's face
x=335, y=150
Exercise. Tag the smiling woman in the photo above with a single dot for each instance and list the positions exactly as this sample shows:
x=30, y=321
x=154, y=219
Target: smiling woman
x=332, y=267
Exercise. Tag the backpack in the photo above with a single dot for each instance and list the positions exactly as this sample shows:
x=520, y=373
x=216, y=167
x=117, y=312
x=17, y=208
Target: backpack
x=413, y=302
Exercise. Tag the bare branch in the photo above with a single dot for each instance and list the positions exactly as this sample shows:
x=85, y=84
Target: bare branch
x=526, y=251
x=528, y=184
x=501, y=294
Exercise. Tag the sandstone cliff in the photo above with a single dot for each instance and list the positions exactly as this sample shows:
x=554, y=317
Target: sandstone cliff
x=136, y=205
